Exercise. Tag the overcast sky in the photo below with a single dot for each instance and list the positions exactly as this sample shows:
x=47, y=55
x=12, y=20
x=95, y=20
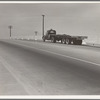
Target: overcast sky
x=67, y=18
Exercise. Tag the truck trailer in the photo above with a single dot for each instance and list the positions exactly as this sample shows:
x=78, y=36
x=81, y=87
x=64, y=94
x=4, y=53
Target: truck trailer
x=64, y=38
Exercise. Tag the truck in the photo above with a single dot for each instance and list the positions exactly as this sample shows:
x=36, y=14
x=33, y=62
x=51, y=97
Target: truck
x=64, y=38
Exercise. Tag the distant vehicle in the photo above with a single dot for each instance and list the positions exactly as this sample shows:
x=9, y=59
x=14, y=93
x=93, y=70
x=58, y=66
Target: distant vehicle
x=65, y=39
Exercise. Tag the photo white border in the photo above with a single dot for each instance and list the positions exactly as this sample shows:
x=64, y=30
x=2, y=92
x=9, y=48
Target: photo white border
x=49, y=2
x=48, y=96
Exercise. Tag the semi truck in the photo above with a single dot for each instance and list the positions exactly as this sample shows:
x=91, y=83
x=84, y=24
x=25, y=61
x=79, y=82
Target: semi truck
x=64, y=38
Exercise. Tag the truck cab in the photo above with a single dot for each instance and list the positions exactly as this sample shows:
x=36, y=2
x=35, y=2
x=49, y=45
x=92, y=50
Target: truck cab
x=49, y=34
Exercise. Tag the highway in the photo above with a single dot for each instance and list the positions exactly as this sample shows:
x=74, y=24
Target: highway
x=38, y=68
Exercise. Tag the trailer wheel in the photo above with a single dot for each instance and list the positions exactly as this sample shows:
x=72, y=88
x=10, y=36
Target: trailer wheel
x=67, y=41
x=53, y=40
x=43, y=40
x=63, y=40
x=70, y=41
x=77, y=42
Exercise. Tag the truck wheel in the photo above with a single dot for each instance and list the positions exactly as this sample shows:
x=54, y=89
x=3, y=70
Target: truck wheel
x=70, y=41
x=63, y=40
x=75, y=42
x=53, y=40
x=67, y=41
x=43, y=39
x=79, y=42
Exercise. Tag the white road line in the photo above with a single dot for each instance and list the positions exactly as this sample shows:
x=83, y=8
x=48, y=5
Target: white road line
x=14, y=74
x=59, y=54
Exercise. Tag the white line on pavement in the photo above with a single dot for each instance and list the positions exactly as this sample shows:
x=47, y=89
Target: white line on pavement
x=9, y=68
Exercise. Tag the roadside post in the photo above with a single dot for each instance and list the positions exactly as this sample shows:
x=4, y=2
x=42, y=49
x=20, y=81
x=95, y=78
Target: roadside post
x=43, y=25
x=10, y=27
x=36, y=35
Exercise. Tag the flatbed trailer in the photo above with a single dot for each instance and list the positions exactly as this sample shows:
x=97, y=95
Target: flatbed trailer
x=64, y=38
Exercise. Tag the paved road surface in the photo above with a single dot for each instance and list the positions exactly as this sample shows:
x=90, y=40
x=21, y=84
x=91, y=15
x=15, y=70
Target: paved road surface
x=37, y=68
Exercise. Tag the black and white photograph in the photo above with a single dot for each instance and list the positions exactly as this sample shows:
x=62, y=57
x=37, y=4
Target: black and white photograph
x=49, y=48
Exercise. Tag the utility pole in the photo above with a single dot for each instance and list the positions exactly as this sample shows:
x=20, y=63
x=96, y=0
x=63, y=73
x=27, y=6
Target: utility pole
x=10, y=27
x=43, y=25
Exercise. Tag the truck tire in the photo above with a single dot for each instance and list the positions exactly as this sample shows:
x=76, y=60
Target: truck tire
x=70, y=41
x=67, y=41
x=53, y=40
x=63, y=41
x=77, y=42
x=43, y=39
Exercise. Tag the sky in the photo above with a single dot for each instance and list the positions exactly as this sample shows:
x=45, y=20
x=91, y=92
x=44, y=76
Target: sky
x=66, y=18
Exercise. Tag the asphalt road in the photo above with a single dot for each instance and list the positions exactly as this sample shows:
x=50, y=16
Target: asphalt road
x=37, y=68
